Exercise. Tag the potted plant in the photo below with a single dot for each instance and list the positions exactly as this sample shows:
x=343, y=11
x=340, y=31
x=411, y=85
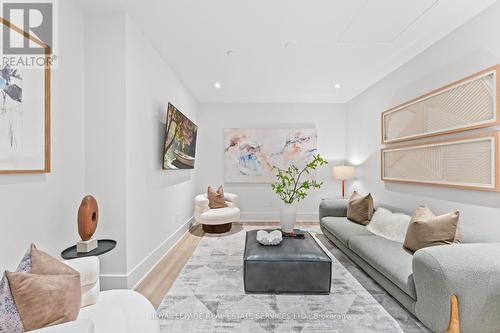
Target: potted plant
x=291, y=189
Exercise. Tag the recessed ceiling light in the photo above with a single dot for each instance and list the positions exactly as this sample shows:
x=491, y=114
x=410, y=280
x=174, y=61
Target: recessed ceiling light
x=217, y=85
x=337, y=85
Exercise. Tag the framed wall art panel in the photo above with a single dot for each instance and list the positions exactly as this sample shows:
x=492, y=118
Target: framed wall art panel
x=469, y=162
x=472, y=102
x=25, y=102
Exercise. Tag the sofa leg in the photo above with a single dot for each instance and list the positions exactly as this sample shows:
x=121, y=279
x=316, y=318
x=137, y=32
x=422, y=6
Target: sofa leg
x=454, y=326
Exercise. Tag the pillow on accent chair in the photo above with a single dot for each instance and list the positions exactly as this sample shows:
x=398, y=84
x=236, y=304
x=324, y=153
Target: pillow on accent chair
x=426, y=229
x=216, y=198
x=387, y=224
x=360, y=209
x=46, y=293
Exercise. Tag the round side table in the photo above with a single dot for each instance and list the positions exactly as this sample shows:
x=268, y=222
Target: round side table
x=103, y=246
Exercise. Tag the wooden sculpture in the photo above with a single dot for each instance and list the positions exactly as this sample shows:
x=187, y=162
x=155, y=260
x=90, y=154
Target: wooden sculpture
x=88, y=217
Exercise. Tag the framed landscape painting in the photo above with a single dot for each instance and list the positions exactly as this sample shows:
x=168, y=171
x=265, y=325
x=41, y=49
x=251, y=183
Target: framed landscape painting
x=180, y=141
x=250, y=154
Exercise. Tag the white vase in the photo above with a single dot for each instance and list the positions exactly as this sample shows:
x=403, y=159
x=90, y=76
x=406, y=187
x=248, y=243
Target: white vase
x=288, y=216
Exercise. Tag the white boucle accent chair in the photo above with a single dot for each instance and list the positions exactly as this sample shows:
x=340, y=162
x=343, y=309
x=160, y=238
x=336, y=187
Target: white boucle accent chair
x=111, y=311
x=217, y=220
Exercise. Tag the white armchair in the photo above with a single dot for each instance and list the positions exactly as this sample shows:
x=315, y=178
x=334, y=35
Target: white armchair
x=120, y=311
x=217, y=220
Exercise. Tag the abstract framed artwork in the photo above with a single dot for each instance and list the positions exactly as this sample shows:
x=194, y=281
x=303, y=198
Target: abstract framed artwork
x=469, y=162
x=251, y=153
x=470, y=103
x=25, y=101
x=180, y=141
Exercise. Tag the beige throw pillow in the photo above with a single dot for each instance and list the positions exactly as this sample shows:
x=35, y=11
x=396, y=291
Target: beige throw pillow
x=216, y=199
x=360, y=209
x=426, y=229
x=49, y=295
x=45, y=300
x=44, y=264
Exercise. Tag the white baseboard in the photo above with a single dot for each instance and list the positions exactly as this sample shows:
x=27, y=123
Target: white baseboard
x=113, y=281
x=143, y=268
x=275, y=216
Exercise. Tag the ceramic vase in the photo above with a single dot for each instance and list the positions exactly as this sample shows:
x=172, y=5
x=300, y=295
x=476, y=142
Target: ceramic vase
x=288, y=217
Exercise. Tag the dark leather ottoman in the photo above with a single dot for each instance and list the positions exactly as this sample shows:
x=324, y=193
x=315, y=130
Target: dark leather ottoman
x=294, y=266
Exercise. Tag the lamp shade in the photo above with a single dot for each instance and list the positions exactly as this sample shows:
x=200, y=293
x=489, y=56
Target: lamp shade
x=343, y=172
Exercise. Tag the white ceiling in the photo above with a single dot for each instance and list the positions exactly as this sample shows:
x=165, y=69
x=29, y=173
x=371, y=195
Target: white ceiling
x=290, y=50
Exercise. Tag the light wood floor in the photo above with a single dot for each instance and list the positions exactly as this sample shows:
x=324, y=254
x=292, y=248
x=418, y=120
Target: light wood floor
x=157, y=283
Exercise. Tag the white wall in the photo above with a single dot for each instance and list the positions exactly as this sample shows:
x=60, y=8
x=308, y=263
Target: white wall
x=159, y=203
x=128, y=88
x=470, y=48
x=108, y=135
x=105, y=131
x=258, y=201
x=42, y=208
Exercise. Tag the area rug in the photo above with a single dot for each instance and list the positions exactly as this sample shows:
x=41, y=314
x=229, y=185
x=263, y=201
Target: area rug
x=208, y=296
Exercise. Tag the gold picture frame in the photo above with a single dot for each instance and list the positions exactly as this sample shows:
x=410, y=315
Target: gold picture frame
x=47, y=102
x=469, y=103
x=467, y=162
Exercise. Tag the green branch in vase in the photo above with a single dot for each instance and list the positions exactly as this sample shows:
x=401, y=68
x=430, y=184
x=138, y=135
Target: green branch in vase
x=288, y=185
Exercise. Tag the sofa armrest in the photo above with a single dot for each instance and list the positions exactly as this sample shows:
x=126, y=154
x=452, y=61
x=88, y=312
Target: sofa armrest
x=201, y=201
x=200, y=206
x=333, y=207
x=88, y=268
x=77, y=326
x=89, y=278
x=469, y=271
x=231, y=197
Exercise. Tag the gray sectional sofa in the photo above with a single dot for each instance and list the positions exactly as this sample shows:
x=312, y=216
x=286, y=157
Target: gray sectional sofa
x=424, y=281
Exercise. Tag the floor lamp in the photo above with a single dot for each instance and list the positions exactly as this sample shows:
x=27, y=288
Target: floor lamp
x=343, y=172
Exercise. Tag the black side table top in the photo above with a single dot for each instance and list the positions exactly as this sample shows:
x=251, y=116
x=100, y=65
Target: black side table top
x=103, y=246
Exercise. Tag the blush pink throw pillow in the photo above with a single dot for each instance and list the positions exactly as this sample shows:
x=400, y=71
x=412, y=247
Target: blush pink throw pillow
x=216, y=198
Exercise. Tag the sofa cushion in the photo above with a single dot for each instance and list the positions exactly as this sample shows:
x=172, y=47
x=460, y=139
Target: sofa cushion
x=121, y=311
x=344, y=229
x=389, y=258
x=106, y=317
x=77, y=326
